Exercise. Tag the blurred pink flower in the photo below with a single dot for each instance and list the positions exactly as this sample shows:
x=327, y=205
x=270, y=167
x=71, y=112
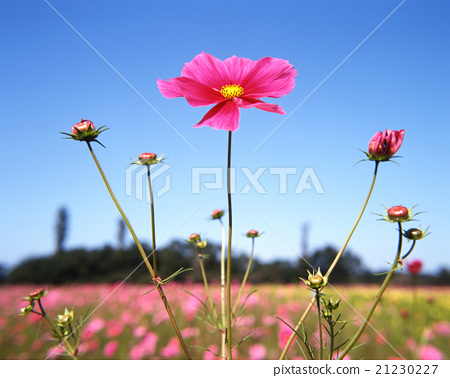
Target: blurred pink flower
x=442, y=329
x=113, y=328
x=146, y=348
x=429, y=352
x=231, y=84
x=414, y=267
x=283, y=335
x=257, y=352
x=110, y=348
x=94, y=326
x=210, y=354
x=172, y=349
x=140, y=331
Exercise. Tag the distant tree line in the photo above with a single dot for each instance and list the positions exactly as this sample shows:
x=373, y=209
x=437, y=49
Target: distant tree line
x=109, y=264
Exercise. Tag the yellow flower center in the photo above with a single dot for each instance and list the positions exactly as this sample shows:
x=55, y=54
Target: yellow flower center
x=233, y=90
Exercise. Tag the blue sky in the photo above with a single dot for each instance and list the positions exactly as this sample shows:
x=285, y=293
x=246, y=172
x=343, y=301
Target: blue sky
x=356, y=75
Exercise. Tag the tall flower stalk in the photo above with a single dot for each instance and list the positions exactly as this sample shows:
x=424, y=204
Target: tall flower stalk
x=144, y=257
x=85, y=131
x=230, y=228
x=218, y=214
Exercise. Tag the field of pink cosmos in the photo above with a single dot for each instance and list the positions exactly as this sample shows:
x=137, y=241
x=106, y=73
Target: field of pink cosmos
x=120, y=323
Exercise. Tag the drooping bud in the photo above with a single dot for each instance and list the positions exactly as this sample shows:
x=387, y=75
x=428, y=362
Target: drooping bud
x=415, y=233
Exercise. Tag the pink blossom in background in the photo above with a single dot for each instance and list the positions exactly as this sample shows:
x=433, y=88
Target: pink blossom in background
x=209, y=354
x=229, y=85
x=442, y=329
x=172, y=349
x=114, y=328
x=257, y=352
x=283, y=335
x=139, y=331
x=146, y=348
x=429, y=352
x=94, y=326
x=110, y=348
x=414, y=266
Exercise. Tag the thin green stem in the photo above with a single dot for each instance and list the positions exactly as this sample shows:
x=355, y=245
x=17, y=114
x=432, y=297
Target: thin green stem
x=222, y=291
x=332, y=324
x=205, y=282
x=377, y=299
x=230, y=224
x=144, y=256
x=319, y=321
x=152, y=212
x=335, y=261
x=245, y=278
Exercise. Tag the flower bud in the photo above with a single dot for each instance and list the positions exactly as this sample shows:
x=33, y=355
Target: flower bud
x=252, y=234
x=384, y=145
x=82, y=127
x=66, y=318
x=27, y=310
x=315, y=280
x=201, y=244
x=146, y=157
x=37, y=294
x=415, y=233
x=398, y=213
x=193, y=238
x=217, y=214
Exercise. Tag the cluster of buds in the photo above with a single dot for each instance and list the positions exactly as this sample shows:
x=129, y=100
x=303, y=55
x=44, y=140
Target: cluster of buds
x=328, y=308
x=196, y=239
x=85, y=131
x=148, y=158
x=31, y=298
x=315, y=280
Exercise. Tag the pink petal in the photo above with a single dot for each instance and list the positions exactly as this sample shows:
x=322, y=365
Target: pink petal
x=169, y=89
x=238, y=68
x=246, y=103
x=196, y=93
x=223, y=116
x=208, y=70
x=269, y=77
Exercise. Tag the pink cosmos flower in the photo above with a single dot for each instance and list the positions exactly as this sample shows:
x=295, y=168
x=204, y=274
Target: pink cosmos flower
x=110, y=348
x=257, y=352
x=429, y=352
x=384, y=145
x=230, y=84
x=172, y=349
x=414, y=267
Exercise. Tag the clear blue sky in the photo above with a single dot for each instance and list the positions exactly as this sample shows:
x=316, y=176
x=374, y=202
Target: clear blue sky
x=105, y=69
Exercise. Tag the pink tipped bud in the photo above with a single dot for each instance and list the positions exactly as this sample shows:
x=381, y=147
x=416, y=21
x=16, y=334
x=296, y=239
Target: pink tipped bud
x=194, y=238
x=398, y=213
x=252, y=234
x=146, y=157
x=82, y=126
x=217, y=214
x=384, y=145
